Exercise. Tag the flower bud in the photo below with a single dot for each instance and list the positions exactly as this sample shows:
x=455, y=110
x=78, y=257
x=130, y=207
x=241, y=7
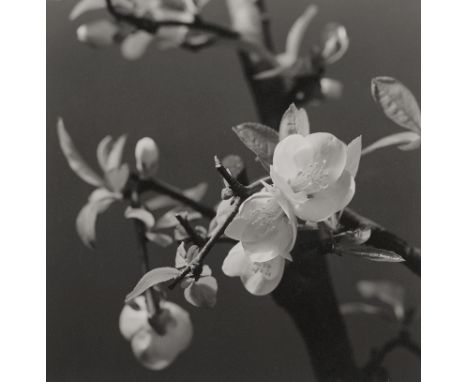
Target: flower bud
x=147, y=157
x=97, y=34
x=155, y=350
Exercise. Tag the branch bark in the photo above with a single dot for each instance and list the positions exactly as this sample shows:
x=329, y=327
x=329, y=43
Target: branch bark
x=381, y=238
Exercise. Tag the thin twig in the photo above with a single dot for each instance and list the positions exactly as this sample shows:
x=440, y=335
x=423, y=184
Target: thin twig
x=217, y=233
x=176, y=194
x=193, y=235
x=152, y=298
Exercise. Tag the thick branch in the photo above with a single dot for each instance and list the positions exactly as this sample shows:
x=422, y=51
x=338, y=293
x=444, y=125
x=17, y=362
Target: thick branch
x=381, y=238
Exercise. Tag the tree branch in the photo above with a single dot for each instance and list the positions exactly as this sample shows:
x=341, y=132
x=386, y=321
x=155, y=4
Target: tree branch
x=381, y=238
x=403, y=340
x=214, y=237
x=167, y=189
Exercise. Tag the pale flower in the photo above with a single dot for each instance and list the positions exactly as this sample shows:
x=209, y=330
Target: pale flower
x=267, y=230
x=146, y=157
x=316, y=173
x=155, y=350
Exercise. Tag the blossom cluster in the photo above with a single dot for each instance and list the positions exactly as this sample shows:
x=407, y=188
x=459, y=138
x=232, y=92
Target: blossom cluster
x=312, y=179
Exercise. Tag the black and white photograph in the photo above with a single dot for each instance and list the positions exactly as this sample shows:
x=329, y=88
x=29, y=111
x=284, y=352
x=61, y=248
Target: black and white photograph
x=233, y=190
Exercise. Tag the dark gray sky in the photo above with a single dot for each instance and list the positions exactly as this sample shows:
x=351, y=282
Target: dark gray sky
x=187, y=103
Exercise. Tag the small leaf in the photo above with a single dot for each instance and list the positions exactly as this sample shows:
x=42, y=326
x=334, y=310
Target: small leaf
x=99, y=33
x=335, y=42
x=368, y=253
x=359, y=307
x=161, y=201
x=135, y=45
x=117, y=177
x=151, y=279
x=75, y=161
x=202, y=293
x=234, y=164
x=294, y=121
x=246, y=19
x=86, y=220
x=197, y=192
x=260, y=139
x=140, y=214
x=397, y=102
x=354, y=153
x=84, y=6
x=297, y=31
x=168, y=220
x=331, y=89
x=162, y=239
x=406, y=140
x=385, y=291
x=115, y=155
x=355, y=237
x=103, y=151
x=363, y=308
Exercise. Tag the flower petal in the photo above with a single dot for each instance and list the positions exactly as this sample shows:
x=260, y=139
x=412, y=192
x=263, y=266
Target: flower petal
x=235, y=262
x=333, y=199
x=135, y=45
x=133, y=318
x=262, y=278
x=324, y=154
x=278, y=241
x=283, y=162
x=354, y=155
x=235, y=229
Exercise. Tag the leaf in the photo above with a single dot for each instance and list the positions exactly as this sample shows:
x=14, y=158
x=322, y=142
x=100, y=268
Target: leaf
x=162, y=239
x=260, y=139
x=355, y=237
x=202, y=293
x=117, y=177
x=246, y=19
x=397, y=102
x=368, y=253
x=354, y=153
x=168, y=220
x=335, y=42
x=103, y=150
x=294, y=121
x=140, y=214
x=86, y=219
x=197, y=192
x=75, y=161
x=359, y=307
x=115, y=155
x=234, y=164
x=331, y=89
x=297, y=31
x=150, y=279
x=136, y=44
x=84, y=6
x=385, y=291
x=407, y=140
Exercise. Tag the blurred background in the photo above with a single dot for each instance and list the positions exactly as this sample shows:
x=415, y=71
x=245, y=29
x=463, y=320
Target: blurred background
x=188, y=102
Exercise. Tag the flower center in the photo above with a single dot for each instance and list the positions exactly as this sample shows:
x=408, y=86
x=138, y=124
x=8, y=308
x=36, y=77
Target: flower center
x=311, y=179
x=264, y=268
